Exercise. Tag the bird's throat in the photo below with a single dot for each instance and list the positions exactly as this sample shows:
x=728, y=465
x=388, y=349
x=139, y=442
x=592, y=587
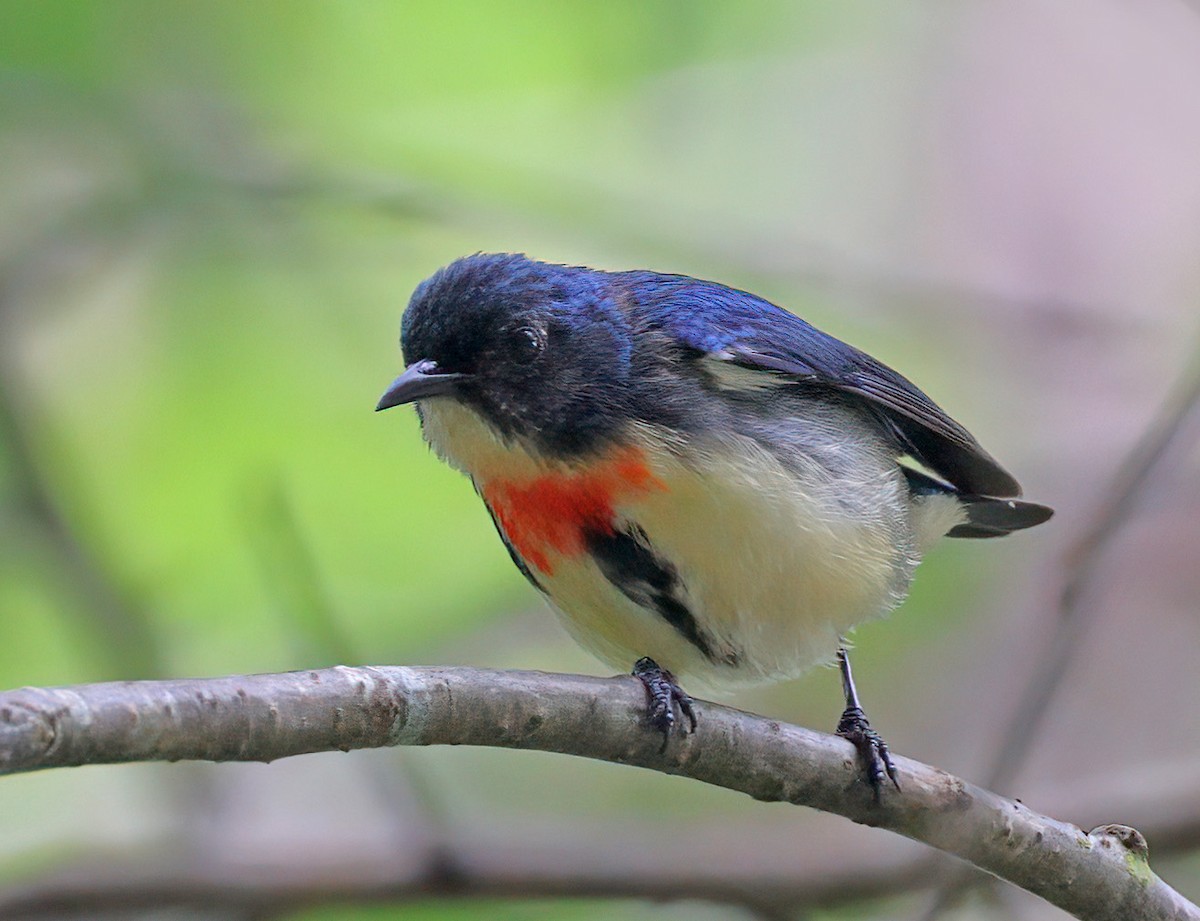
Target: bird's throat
x=545, y=509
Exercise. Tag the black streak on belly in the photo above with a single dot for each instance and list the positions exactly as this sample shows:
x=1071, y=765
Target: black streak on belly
x=629, y=562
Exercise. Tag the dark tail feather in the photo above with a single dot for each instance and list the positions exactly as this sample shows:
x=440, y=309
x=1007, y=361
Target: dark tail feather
x=986, y=516
x=996, y=517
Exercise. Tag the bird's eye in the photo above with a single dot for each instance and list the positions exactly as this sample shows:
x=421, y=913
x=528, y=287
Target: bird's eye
x=526, y=343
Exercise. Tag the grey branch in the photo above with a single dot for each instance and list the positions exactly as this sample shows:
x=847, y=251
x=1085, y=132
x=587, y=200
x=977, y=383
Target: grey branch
x=1099, y=875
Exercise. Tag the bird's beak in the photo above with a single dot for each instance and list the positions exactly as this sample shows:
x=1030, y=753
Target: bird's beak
x=420, y=380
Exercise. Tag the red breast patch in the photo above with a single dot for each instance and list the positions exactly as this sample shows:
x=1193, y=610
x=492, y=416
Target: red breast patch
x=553, y=512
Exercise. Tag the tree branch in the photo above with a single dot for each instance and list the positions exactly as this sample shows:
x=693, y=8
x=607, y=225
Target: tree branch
x=1099, y=875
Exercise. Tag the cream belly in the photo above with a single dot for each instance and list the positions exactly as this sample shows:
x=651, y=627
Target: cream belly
x=772, y=567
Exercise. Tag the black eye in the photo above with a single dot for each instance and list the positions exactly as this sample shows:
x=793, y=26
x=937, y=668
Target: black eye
x=526, y=343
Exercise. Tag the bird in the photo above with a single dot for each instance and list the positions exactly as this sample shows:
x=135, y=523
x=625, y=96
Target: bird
x=699, y=481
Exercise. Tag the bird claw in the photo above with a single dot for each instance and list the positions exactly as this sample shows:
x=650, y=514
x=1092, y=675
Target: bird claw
x=663, y=696
x=872, y=750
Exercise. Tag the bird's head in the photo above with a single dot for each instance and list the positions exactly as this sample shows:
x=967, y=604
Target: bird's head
x=540, y=352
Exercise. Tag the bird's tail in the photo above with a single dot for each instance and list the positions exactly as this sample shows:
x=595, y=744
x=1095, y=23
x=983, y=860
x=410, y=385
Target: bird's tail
x=986, y=515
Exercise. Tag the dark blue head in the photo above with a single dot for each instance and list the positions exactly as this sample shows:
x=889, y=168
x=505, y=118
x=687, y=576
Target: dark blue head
x=540, y=351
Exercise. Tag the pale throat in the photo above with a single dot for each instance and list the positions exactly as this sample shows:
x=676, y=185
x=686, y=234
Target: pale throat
x=546, y=509
x=468, y=443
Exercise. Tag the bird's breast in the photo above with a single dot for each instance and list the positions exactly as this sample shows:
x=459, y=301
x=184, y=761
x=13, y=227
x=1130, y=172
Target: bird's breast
x=544, y=508
x=551, y=515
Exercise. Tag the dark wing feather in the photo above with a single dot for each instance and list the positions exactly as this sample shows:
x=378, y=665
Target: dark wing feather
x=920, y=424
x=731, y=325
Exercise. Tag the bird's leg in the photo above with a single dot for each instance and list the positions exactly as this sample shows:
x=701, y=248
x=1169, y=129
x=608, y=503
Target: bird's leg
x=663, y=695
x=853, y=726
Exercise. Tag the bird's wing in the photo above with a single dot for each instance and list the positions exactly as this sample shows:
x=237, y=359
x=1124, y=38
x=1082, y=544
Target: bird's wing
x=733, y=326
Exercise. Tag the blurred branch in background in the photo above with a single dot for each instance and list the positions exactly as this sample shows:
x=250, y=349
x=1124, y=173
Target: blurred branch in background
x=184, y=160
x=775, y=874
x=1102, y=875
x=1146, y=464
x=128, y=179
x=118, y=625
x=1081, y=574
x=291, y=573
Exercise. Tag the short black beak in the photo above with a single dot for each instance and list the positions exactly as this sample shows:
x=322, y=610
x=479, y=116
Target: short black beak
x=420, y=380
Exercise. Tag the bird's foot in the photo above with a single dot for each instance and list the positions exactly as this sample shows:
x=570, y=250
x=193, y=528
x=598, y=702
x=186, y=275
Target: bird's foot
x=872, y=750
x=663, y=696
x=853, y=726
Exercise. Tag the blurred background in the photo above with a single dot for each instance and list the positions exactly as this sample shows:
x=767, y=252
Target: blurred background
x=211, y=217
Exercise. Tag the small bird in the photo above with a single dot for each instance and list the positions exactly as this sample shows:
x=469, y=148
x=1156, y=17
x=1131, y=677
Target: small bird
x=696, y=479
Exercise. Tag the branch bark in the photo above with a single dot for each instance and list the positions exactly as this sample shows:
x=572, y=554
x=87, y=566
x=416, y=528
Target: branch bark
x=1102, y=874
